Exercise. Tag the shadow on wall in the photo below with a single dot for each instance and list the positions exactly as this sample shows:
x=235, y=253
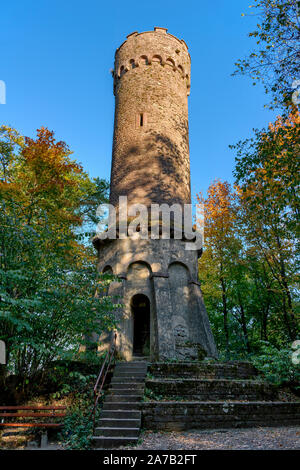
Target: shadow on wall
x=156, y=171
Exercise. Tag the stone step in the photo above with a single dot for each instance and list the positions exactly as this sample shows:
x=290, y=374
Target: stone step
x=132, y=367
x=129, y=374
x=127, y=385
x=139, y=374
x=124, y=398
x=126, y=391
x=130, y=370
x=117, y=432
x=132, y=364
x=118, y=422
x=121, y=414
x=228, y=370
x=211, y=389
x=176, y=416
x=112, y=442
x=121, y=406
x=126, y=378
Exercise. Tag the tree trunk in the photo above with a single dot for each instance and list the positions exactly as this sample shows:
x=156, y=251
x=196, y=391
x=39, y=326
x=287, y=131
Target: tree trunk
x=225, y=316
x=264, y=324
x=289, y=316
x=244, y=328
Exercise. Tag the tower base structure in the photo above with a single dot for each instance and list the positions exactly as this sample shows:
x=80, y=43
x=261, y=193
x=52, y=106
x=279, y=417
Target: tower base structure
x=163, y=315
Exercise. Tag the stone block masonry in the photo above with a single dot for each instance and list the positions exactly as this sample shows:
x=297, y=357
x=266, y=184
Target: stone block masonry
x=211, y=389
x=163, y=314
x=150, y=162
x=198, y=370
x=215, y=402
x=175, y=416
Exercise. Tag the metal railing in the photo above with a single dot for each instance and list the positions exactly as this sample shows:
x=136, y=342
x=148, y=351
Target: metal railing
x=102, y=375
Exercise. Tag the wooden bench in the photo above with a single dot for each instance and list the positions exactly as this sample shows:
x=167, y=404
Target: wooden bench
x=12, y=412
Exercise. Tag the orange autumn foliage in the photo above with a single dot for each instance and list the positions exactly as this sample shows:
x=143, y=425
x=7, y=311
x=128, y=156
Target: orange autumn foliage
x=45, y=181
x=218, y=211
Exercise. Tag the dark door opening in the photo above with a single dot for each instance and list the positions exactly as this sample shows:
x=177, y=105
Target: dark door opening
x=140, y=307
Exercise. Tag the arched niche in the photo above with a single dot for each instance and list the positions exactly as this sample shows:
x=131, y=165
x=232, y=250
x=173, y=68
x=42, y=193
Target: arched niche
x=179, y=274
x=180, y=69
x=171, y=63
x=107, y=269
x=144, y=60
x=138, y=271
x=157, y=59
x=132, y=64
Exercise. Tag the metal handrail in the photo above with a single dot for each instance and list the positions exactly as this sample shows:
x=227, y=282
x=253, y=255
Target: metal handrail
x=102, y=375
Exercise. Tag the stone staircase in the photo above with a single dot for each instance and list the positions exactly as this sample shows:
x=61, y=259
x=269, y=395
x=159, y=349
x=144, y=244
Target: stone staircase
x=120, y=419
x=182, y=396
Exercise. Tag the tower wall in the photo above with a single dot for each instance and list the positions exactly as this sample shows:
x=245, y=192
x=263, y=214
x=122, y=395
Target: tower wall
x=150, y=162
x=166, y=273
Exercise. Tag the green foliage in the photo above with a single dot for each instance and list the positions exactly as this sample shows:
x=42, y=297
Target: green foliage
x=274, y=60
x=48, y=277
x=74, y=380
x=149, y=395
x=78, y=424
x=77, y=431
x=249, y=270
x=276, y=365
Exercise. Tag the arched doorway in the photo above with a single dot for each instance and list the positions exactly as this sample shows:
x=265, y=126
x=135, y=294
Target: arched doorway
x=140, y=308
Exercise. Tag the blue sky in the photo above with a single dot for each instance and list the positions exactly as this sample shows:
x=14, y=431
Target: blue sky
x=56, y=57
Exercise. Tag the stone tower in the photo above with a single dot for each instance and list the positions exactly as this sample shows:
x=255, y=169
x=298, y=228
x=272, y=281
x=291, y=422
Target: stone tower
x=163, y=313
x=151, y=150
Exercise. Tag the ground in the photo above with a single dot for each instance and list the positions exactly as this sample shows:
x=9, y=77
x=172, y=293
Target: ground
x=283, y=438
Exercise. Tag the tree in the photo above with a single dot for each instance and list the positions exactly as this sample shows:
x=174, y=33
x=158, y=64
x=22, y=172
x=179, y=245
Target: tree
x=267, y=174
x=48, y=276
x=270, y=162
x=274, y=60
x=220, y=242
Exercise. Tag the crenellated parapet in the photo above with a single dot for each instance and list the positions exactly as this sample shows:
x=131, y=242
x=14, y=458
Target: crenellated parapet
x=152, y=48
x=149, y=60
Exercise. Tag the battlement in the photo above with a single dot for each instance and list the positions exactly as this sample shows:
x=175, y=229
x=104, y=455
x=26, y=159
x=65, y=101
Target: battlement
x=148, y=60
x=152, y=47
x=158, y=30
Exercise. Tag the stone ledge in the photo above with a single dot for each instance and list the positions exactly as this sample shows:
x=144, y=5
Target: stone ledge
x=212, y=389
x=178, y=416
x=242, y=370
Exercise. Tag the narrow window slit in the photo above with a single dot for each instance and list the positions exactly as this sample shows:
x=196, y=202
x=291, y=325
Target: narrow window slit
x=141, y=120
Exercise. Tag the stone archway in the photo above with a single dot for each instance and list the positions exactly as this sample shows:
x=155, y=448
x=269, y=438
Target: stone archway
x=140, y=309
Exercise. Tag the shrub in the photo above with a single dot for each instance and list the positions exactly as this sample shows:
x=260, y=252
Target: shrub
x=277, y=367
